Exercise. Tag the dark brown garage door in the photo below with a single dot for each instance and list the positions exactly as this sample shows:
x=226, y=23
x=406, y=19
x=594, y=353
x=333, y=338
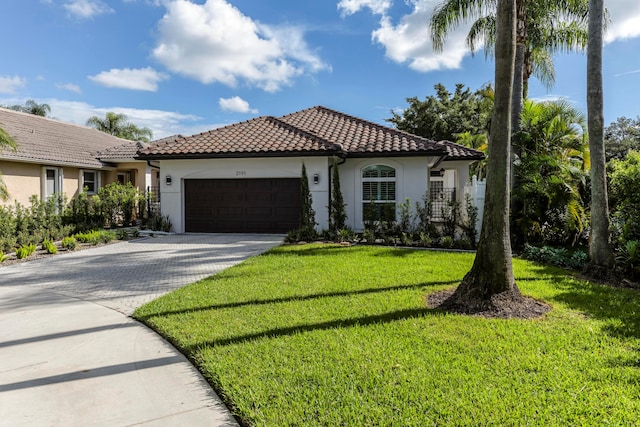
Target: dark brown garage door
x=266, y=205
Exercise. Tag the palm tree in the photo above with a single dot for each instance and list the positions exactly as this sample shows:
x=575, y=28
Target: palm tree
x=492, y=272
x=544, y=27
x=600, y=239
x=550, y=194
x=5, y=142
x=118, y=125
x=32, y=107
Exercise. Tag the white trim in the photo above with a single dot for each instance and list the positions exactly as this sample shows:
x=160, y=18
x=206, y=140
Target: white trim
x=96, y=182
x=58, y=180
x=359, y=222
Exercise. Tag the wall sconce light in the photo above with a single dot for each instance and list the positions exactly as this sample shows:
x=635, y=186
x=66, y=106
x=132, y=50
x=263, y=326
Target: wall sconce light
x=167, y=179
x=316, y=178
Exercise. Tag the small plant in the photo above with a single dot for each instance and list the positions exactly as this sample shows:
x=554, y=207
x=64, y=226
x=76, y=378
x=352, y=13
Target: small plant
x=160, y=223
x=49, y=246
x=406, y=239
x=136, y=233
x=404, y=215
x=369, y=235
x=122, y=234
x=25, y=250
x=446, y=242
x=556, y=256
x=346, y=235
x=628, y=258
x=107, y=236
x=3, y=256
x=69, y=243
x=425, y=240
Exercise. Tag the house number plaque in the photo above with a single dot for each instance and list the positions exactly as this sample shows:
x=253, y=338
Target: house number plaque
x=241, y=173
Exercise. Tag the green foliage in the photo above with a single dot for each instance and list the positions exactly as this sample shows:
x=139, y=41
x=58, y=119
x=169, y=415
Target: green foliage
x=450, y=218
x=624, y=194
x=622, y=136
x=423, y=214
x=49, y=246
x=561, y=257
x=116, y=203
x=32, y=107
x=307, y=231
x=160, y=223
x=122, y=234
x=628, y=259
x=444, y=115
x=470, y=222
x=69, y=243
x=95, y=237
x=446, y=242
x=3, y=256
x=337, y=211
x=550, y=196
x=424, y=240
x=25, y=250
x=405, y=224
x=118, y=125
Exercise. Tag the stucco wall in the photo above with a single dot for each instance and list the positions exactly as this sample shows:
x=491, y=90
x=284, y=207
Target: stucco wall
x=179, y=170
x=22, y=180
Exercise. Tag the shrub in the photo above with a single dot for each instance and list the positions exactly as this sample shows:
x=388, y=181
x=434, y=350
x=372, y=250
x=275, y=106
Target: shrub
x=49, y=246
x=3, y=256
x=424, y=240
x=160, y=223
x=337, y=212
x=628, y=258
x=122, y=234
x=423, y=214
x=308, y=215
x=404, y=216
x=25, y=250
x=369, y=235
x=446, y=242
x=90, y=237
x=69, y=243
x=556, y=256
x=470, y=222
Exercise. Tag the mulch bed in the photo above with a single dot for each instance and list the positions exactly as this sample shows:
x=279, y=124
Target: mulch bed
x=501, y=306
x=40, y=253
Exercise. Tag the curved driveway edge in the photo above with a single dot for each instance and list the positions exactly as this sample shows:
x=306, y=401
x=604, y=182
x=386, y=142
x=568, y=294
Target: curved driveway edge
x=69, y=353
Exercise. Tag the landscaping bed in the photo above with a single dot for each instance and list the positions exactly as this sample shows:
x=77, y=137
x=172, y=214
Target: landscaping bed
x=320, y=335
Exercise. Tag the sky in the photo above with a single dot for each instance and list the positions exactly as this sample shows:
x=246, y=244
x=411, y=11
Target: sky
x=183, y=67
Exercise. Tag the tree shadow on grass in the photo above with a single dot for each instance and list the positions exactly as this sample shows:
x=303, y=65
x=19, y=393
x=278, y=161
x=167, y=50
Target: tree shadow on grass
x=333, y=324
x=294, y=298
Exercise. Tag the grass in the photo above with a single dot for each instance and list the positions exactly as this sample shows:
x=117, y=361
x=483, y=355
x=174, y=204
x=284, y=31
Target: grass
x=327, y=336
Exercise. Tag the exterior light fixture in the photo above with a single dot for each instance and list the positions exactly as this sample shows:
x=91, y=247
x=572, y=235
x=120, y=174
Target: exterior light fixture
x=167, y=179
x=316, y=178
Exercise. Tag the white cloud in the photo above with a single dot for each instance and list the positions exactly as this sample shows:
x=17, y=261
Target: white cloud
x=236, y=104
x=408, y=41
x=349, y=7
x=626, y=73
x=11, y=84
x=625, y=20
x=70, y=87
x=162, y=123
x=86, y=9
x=127, y=78
x=214, y=42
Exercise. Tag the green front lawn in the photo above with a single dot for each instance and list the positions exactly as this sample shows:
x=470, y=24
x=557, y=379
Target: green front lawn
x=328, y=336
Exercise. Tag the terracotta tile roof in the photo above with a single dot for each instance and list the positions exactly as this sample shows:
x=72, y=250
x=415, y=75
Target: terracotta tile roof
x=317, y=130
x=128, y=150
x=47, y=141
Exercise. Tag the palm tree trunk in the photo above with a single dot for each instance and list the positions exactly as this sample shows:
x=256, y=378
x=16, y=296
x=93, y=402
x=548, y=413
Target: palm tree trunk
x=492, y=271
x=600, y=238
x=518, y=75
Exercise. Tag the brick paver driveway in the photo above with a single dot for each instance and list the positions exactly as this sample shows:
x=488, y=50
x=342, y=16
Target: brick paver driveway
x=125, y=275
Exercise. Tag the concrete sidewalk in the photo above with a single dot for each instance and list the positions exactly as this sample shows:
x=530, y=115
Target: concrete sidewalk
x=70, y=355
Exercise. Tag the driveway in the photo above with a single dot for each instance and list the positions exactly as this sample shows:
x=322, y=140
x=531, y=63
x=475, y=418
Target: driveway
x=71, y=355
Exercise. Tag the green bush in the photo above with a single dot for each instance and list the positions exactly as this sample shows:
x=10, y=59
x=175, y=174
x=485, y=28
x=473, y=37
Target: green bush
x=556, y=256
x=121, y=234
x=3, y=256
x=160, y=223
x=25, y=250
x=69, y=243
x=49, y=246
x=628, y=259
x=446, y=242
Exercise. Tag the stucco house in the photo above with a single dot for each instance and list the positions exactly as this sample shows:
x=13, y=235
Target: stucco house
x=57, y=157
x=246, y=177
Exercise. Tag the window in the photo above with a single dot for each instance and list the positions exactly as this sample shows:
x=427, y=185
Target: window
x=378, y=193
x=90, y=181
x=51, y=182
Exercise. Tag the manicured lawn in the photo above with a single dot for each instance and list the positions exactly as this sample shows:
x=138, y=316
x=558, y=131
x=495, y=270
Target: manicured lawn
x=328, y=336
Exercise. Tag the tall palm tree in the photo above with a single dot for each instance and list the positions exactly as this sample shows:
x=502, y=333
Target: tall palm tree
x=544, y=27
x=118, y=125
x=600, y=239
x=5, y=142
x=32, y=107
x=492, y=272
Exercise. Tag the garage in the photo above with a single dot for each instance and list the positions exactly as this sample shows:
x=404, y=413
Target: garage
x=264, y=205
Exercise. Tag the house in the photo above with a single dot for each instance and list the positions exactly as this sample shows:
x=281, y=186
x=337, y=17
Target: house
x=246, y=177
x=56, y=157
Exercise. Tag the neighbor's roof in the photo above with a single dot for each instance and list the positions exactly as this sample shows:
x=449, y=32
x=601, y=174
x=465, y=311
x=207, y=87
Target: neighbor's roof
x=51, y=142
x=314, y=131
x=128, y=150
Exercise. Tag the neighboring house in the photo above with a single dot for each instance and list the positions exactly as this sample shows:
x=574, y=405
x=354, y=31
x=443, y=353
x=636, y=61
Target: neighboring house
x=246, y=177
x=56, y=157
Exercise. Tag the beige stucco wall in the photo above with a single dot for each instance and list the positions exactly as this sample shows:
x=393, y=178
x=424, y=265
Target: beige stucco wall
x=142, y=175
x=22, y=180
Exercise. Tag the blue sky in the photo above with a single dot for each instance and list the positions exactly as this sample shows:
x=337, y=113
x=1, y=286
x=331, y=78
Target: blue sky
x=180, y=66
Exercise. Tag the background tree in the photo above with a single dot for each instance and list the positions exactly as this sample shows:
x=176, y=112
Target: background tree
x=32, y=107
x=624, y=180
x=444, y=115
x=600, y=250
x=492, y=272
x=118, y=125
x=621, y=136
x=6, y=142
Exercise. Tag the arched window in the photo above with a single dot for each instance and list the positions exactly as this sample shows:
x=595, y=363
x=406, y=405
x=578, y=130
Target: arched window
x=378, y=193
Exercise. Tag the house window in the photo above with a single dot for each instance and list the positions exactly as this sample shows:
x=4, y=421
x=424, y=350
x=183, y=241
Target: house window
x=379, y=193
x=51, y=182
x=90, y=181
x=124, y=177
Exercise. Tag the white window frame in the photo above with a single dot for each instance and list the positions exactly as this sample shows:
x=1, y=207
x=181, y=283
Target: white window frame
x=359, y=222
x=96, y=182
x=58, y=180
